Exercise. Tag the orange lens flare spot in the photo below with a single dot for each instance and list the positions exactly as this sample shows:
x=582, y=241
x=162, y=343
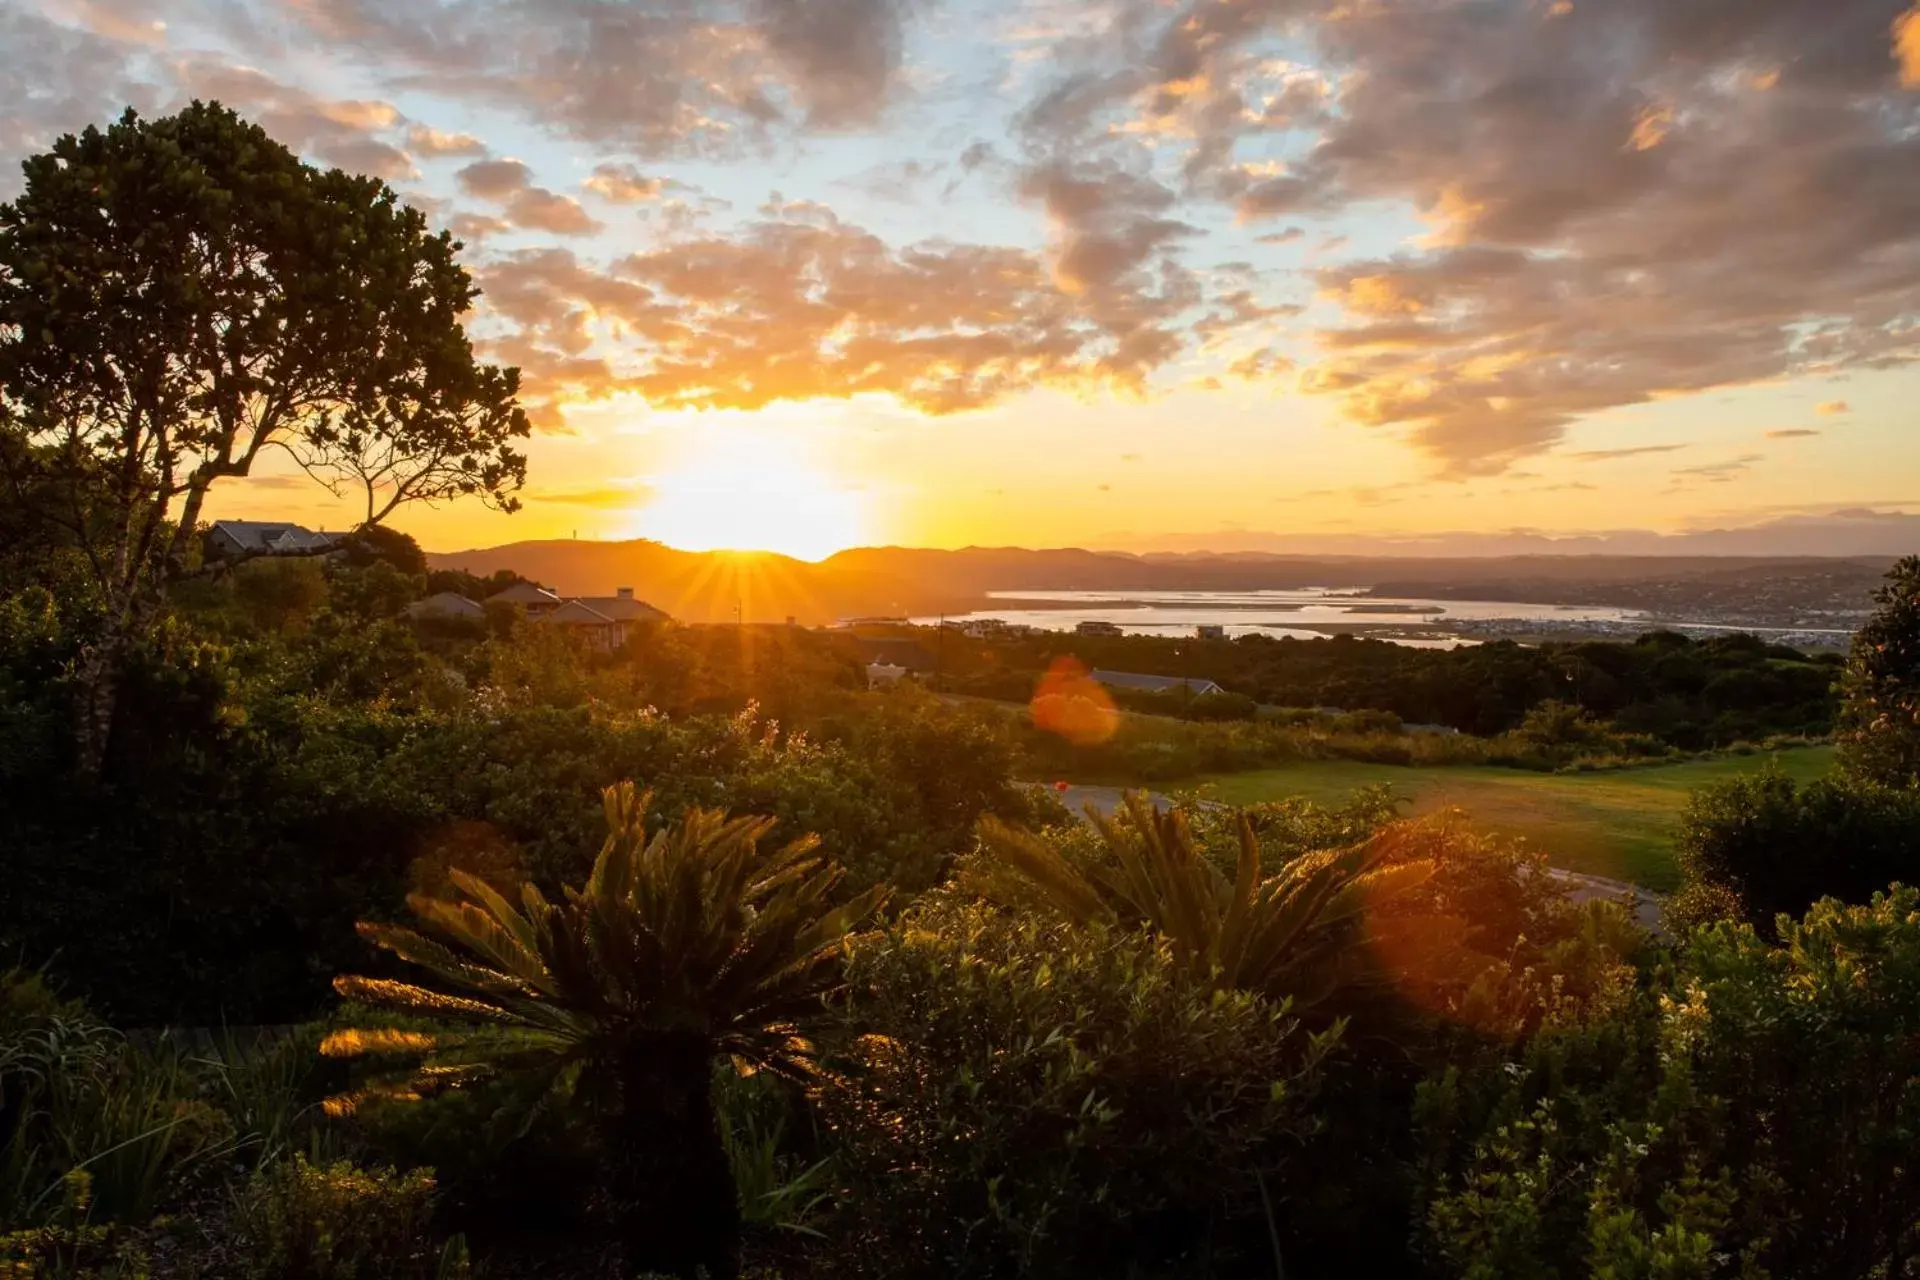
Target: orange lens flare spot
x=1070, y=704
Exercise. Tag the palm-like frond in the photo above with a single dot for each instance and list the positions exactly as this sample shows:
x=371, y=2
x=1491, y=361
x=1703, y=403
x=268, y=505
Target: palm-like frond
x=1301, y=933
x=695, y=930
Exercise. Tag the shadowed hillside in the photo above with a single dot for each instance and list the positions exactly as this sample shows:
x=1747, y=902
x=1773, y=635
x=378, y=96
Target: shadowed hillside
x=762, y=586
x=714, y=586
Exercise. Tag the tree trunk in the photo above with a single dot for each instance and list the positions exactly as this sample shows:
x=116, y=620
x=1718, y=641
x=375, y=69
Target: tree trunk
x=674, y=1199
x=96, y=696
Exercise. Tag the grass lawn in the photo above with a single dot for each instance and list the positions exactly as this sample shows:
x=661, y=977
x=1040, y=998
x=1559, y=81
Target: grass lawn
x=1619, y=823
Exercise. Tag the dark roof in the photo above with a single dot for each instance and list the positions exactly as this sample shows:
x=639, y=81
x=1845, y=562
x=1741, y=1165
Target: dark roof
x=622, y=608
x=271, y=535
x=577, y=612
x=445, y=604
x=525, y=593
x=1155, y=684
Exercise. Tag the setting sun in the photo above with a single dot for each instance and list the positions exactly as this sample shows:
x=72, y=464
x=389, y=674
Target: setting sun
x=753, y=496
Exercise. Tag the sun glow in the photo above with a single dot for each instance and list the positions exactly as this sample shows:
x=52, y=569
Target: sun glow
x=753, y=495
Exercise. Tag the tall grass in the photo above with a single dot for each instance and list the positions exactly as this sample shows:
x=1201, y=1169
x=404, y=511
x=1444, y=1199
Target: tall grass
x=264, y=1081
x=136, y=1118
x=76, y=1098
x=778, y=1189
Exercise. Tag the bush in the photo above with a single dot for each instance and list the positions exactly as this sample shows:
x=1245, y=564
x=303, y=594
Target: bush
x=220, y=886
x=301, y=1221
x=1028, y=1099
x=69, y=1247
x=1757, y=1118
x=501, y=1164
x=1881, y=712
x=1754, y=847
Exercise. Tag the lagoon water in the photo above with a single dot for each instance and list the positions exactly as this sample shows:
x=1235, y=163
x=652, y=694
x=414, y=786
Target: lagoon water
x=1298, y=612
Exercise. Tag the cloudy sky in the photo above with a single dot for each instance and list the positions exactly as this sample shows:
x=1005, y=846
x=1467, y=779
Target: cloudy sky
x=806, y=273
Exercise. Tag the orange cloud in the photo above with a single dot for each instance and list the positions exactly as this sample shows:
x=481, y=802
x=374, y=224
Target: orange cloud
x=1595, y=244
x=1906, y=46
x=623, y=184
x=431, y=142
x=802, y=305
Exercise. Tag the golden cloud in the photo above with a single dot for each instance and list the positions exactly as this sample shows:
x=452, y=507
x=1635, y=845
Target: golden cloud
x=1906, y=46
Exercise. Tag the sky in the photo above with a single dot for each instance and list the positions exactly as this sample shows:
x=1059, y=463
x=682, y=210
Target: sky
x=805, y=274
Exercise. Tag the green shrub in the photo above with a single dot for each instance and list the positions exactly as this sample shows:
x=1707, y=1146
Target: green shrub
x=302, y=1221
x=1755, y=1116
x=1026, y=1098
x=70, y=1247
x=1754, y=847
x=1880, y=715
x=500, y=1163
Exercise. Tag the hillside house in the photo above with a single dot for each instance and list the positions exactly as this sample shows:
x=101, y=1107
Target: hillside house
x=605, y=622
x=533, y=600
x=240, y=539
x=897, y=651
x=447, y=606
x=1155, y=684
x=1095, y=627
x=884, y=675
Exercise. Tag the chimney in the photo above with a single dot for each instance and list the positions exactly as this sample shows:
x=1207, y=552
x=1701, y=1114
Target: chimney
x=625, y=593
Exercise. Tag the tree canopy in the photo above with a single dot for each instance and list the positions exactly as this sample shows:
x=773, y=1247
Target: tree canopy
x=179, y=297
x=1882, y=685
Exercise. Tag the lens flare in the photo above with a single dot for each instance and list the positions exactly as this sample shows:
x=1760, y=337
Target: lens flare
x=1071, y=704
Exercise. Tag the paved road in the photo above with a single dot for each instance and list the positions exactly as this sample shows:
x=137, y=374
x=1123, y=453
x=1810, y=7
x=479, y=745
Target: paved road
x=1582, y=887
x=1104, y=800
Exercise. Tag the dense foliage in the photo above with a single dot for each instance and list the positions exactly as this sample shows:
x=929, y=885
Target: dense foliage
x=1882, y=685
x=1753, y=848
x=1685, y=693
x=180, y=298
x=1751, y=1115
x=263, y=791
x=1008, y=1111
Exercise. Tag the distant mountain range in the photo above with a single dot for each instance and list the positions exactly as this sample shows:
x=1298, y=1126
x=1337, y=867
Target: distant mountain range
x=1859, y=531
x=904, y=581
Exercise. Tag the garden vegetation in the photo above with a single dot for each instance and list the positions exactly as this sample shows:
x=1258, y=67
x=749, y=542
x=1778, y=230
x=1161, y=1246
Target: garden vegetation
x=354, y=946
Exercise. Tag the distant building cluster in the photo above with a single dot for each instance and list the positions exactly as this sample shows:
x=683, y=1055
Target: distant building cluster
x=605, y=622
x=989, y=628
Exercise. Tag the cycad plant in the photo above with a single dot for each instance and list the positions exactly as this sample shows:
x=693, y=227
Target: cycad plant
x=1324, y=923
x=683, y=947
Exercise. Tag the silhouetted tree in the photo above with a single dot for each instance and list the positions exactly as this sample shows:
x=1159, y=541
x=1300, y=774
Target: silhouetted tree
x=178, y=297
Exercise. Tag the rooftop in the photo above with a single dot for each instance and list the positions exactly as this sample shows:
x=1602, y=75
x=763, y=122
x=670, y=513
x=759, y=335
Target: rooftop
x=1154, y=684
